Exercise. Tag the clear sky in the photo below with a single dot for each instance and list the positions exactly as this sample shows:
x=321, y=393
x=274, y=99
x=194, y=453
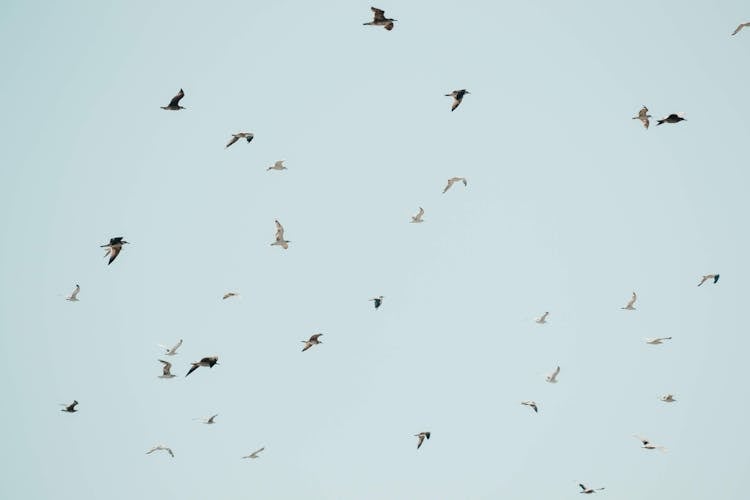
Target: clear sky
x=570, y=206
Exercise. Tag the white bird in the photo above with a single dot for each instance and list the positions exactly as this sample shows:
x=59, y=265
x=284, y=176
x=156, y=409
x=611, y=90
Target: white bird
x=643, y=116
x=73, y=297
x=378, y=301
x=160, y=447
x=248, y=136
x=707, y=277
x=552, y=377
x=166, y=373
x=313, y=340
x=648, y=445
x=255, y=453
x=421, y=437
x=208, y=420
x=743, y=25
x=280, y=241
x=668, y=398
x=171, y=351
x=418, y=218
x=629, y=306
x=279, y=165
x=589, y=491
x=532, y=404
x=657, y=340
x=452, y=181
x=543, y=318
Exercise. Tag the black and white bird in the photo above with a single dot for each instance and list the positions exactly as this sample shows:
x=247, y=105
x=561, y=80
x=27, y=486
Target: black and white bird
x=113, y=248
x=255, y=453
x=71, y=408
x=588, y=491
x=552, y=377
x=643, y=116
x=174, y=104
x=418, y=218
x=668, y=398
x=673, y=118
x=739, y=28
x=657, y=340
x=452, y=181
x=648, y=445
x=313, y=340
x=378, y=301
x=630, y=306
x=379, y=19
x=248, y=136
x=209, y=420
x=160, y=447
x=279, y=165
x=532, y=405
x=542, y=319
x=171, y=351
x=166, y=369
x=208, y=361
x=280, y=241
x=229, y=295
x=421, y=437
x=73, y=297
x=707, y=277
x=458, y=96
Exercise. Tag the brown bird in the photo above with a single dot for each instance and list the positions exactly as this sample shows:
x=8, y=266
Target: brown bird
x=208, y=361
x=420, y=438
x=113, y=248
x=229, y=294
x=743, y=25
x=174, y=104
x=311, y=341
x=643, y=116
x=71, y=408
x=379, y=19
x=458, y=96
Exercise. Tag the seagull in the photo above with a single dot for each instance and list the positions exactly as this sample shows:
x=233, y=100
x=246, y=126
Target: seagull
x=174, y=104
x=379, y=19
x=311, y=341
x=743, y=25
x=209, y=420
x=160, y=447
x=629, y=305
x=113, y=248
x=643, y=116
x=418, y=218
x=279, y=165
x=248, y=136
x=673, y=118
x=378, y=301
x=71, y=408
x=648, y=445
x=543, y=318
x=166, y=373
x=255, y=453
x=421, y=437
x=552, y=377
x=458, y=96
x=229, y=294
x=668, y=398
x=588, y=491
x=280, y=241
x=73, y=297
x=707, y=277
x=532, y=404
x=657, y=341
x=171, y=351
x=452, y=181
x=208, y=361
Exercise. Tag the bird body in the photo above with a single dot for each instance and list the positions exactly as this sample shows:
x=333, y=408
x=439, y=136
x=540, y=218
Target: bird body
x=668, y=398
x=313, y=340
x=458, y=96
x=208, y=361
x=379, y=19
x=673, y=118
x=452, y=181
x=643, y=116
x=73, y=297
x=113, y=248
x=418, y=218
x=248, y=136
x=421, y=437
x=174, y=104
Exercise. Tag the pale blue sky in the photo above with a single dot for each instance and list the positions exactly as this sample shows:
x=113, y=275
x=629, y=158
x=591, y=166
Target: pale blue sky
x=571, y=206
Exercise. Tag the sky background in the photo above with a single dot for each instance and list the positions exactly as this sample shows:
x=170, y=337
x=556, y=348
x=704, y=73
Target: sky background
x=570, y=206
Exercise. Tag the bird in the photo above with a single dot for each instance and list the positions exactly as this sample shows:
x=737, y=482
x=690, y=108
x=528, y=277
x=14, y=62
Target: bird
x=280, y=241
x=255, y=453
x=160, y=447
x=668, y=398
x=532, y=404
x=171, y=351
x=174, y=104
x=420, y=438
x=743, y=25
x=71, y=408
x=629, y=305
x=311, y=341
x=707, y=277
x=113, y=248
x=648, y=445
x=552, y=377
x=588, y=491
x=378, y=301
x=657, y=341
x=279, y=165
x=248, y=136
x=379, y=19
x=673, y=118
x=73, y=297
x=543, y=318
x=209, y=420
x=229, y=294
x=166, y=373
x=208, y=361
x=418, y=218
x=452, y=181
x=643, y=116
x=458, y=96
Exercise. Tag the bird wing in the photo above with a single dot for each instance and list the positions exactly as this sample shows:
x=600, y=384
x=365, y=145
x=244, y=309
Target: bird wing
x=632, y=300
x=307, y=345
x=113, y=252
x=279, y=164
x=279, y=231
x=740, y=28
x=75, y=292
x=176, y=346
x=582, y=486
x=315, y=337
x=456, y=102
x=389, y=26
x=234, y=139
x=421, y=213
x=378, y=14
x=152, y=450
x=645, y=121
x=192, y=369
x=421, y=440
x=167, y=367
x=448, y=186
x=176, y=99
x=170, y=451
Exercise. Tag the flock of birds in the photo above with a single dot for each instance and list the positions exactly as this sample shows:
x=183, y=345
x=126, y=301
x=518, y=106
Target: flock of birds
x=115, y=246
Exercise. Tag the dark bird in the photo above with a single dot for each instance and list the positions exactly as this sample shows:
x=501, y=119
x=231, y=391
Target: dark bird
x=420, y=438
x=174, y=104
x=643, y=116
x=379, y=19
x=71, y=408
x=208, y=361
x=673, y=118
x=707, y=277
x=458, y=96
x=113, y=248
x=313, y=340
x=743, y=25
x=588, y=491
x=248, y=136
x=378, y=301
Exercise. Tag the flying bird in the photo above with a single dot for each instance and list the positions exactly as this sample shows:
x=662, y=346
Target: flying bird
x=643, y=116
x=279, y=165
x=588, y=491
x=160, y=447
x=174, y=104
x=71, y=408
x=668, y=398
x=280, y=241
x=629, y=305
x=73, y=297
x=648, y=445
x=229, y=294
x=113, y=248
x=171, y=351
x=311, y=341
x=420, y=438
x=743, y=25
x=531, y=404
x=209, y=420
x=657, y=341
x=452, y=181
x=707, y=277
x=208, y=361
x=255, y=453
x=418, y=218
x=378, y=301
x=248, y=136
x=542, y=319
x=166, y=369
x=552, y=377
x=458, y=96
x=673, y=118
x=379, y=19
